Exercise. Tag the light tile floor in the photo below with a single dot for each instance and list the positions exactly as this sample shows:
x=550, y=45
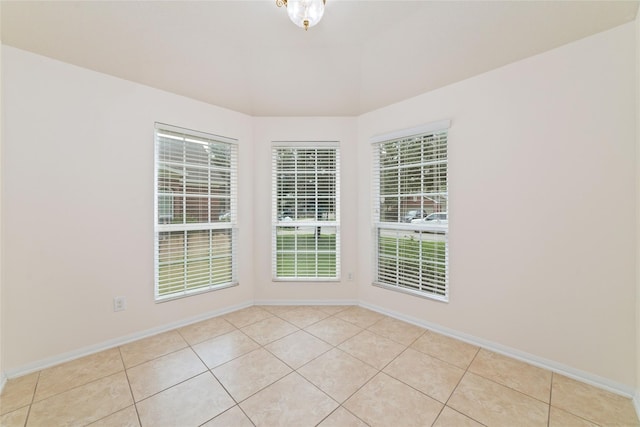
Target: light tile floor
x=304, y=366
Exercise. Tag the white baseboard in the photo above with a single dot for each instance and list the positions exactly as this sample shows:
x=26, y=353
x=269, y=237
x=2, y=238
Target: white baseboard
x=3, y=381
x=576, y=374
x=531, y=359
x=66, y=357
x=305, y=302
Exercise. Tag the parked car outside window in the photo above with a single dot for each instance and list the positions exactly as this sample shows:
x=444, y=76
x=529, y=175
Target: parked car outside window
x=413, y=214
x=436, y=219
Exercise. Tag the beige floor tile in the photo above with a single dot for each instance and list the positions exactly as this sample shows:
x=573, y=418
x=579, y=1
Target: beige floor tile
x=83, y=405
x=292, y=401
x=432, y=376
x=269, y=330
x=190, y=403
x=158, y=374
x=205, y=330
x=150, y=348
x=591, y=403
x=446, y=348
x=338, y=374
x=494, y=404
x=333, y=309
x=333, y=330
x=304, y=316
x=234, y=417
x=396, y=330
x=359, y=316
x=219, y=350
x=342, y=418
x=298, y=348
x=78, y=372
x=127, y=417
x=277, y=309
x=560, y=418
x=247, y=316
x=250, y=373
x=528, y=379
x=18, y=392
x=385, y=401
x=373, y=349
x=450, y=418
x=16, y=418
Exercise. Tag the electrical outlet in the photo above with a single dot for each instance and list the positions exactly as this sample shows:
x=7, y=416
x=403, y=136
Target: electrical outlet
x=350, y=276
x=119, y=304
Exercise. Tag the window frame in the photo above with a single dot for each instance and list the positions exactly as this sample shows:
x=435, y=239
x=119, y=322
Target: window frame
x=211, y=227
x=406, y=230
x=278, y=223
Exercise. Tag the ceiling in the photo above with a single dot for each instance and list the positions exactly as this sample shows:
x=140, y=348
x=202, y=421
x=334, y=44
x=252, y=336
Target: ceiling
x=247, y=56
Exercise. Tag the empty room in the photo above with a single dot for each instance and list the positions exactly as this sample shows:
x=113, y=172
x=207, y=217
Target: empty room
x=319, y=213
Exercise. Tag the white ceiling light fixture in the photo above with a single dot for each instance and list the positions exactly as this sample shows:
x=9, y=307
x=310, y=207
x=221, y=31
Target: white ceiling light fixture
x=304, y=13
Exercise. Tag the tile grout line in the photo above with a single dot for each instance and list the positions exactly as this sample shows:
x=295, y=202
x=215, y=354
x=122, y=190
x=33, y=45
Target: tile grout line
x=435, y=420
x=426, y=331
x=33, y=397
x=446, y=404
x=133, y=398
x=550, y=396
x=336, y=347
x=210, y=370
x=379, y=371
x=333, y=347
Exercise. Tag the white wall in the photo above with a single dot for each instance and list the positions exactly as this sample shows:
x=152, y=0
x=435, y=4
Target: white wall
x=543, y=198
x=2, y=374
x=266, y=130
x=542, y=205
x=637, y=76
x=78, y=206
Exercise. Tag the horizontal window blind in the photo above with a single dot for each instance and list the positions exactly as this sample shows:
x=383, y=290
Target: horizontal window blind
x=410, y=213
x=306, y=211
x=195, y=212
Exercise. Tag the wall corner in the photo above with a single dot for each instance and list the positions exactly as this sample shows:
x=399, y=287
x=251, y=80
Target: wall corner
x=636, y=399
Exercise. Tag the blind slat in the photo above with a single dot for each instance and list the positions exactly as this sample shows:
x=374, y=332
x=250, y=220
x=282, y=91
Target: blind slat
x=195, y=226
x=410, y=183
x=306, y=211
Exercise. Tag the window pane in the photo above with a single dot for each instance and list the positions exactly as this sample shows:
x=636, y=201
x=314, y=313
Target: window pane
x=194, y=191
x=306, y=193
x=170, y=261
x=197, y=210
x=196, y=180
x=220, y=209
x=412, y=199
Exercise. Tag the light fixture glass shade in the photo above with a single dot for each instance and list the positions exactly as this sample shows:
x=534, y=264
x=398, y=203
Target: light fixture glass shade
x=305, y=13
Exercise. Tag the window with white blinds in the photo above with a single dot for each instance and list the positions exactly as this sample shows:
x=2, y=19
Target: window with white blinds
x=411, y=211
x=306, y=211
x=195, y=212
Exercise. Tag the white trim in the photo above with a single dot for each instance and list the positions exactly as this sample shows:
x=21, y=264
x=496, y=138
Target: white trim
x=3, y=381
x=206, y=135
x=419, y=294
x=116, y=342
x=316, y=302
x=328, y=150
x=531, y=359
x=305, y=144
x=203, y=224
x=403, y=133
x=576, y=374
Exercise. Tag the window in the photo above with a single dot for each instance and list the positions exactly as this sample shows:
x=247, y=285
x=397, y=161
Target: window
x=306, y=211
x=410, y=211
x=195, y=212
